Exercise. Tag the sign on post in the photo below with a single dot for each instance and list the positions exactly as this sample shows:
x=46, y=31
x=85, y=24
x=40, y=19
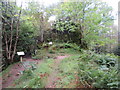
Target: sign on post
x=20, y=54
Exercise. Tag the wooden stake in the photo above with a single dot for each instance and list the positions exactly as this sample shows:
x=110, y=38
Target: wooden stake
x=21, y=58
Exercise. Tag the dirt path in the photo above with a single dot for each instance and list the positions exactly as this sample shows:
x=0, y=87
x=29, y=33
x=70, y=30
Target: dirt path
x=15, y=70
x=14, y=73
x=53, y=76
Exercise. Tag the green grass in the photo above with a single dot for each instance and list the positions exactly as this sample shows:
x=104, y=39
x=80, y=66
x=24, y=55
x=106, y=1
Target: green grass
x=41, y=53
x=31, y=78
x=67, y=70
x=90, y=72
x=44, y=54
x=54, y=51
x=87, y=65
x=68, y=51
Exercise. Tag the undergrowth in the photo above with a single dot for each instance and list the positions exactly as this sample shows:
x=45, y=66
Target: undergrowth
x=93, y=70
x=35, y=78
x=67, y=71
x=99, y=70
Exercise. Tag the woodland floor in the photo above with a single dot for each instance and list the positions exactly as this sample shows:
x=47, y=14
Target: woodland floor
x=15, y=72
x=55, y=70
x=59, y=69
x=53, y=76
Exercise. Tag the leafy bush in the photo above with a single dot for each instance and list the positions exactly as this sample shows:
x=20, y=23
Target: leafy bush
x=116, y=50
x=99, y=78
x=26, y=41
x=57, y=46
x=108, y=60
x=98, y=74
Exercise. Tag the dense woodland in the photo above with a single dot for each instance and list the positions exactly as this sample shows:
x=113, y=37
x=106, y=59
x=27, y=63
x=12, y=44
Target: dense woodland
x=84, y=30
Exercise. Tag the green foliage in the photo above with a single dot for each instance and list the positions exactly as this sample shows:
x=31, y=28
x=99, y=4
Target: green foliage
x=79, y=64
x=34, y=83
x=67, y=31
x=79, y=23
x=67, y=70
x=99, y=78
x=34, y=78
x=40, y=54
x=116, y=50
x=26, y=40
x=10, y=18
x=108, y=60
x=70, y=64
x=57, y=46
x=70, y=45
x=67, y=25
x=93, y=19
x=99, y=75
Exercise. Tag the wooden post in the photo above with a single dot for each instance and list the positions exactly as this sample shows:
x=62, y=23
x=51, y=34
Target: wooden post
x=21, y=58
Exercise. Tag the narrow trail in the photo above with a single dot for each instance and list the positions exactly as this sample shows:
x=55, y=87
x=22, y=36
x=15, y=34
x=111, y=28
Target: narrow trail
x=53, y=76
x=14, y=73
x=16, y=69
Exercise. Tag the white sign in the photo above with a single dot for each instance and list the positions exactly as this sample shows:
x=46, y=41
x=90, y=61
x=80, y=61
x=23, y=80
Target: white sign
x=50, y=43
x=20, y=53
x=52, y=18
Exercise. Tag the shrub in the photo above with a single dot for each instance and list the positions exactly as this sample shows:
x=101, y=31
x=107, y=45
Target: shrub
x=98, y=74
x=108, y=60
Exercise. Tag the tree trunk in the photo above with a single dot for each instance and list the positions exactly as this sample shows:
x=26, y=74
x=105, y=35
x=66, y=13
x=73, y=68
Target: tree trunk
x=42, y=35
x=41, y=28
x=17, y=36
x=11, y=39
